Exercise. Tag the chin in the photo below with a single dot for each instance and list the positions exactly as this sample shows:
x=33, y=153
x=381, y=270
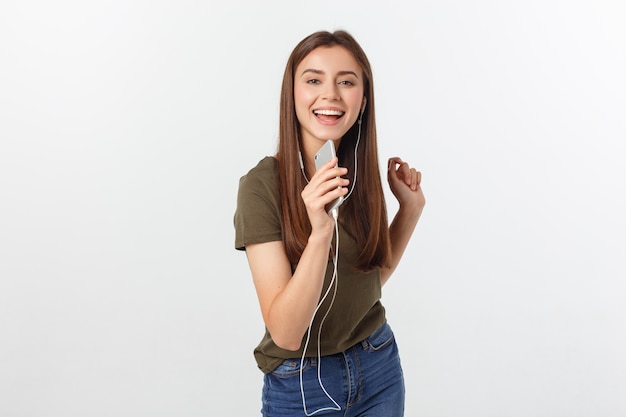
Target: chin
x=331, y=135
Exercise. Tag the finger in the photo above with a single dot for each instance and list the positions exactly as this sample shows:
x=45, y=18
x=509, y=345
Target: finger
x=404, y=172
x=328, y=171
x=413, y=179
x=331, y=163
x=392, y=162
x=333, y=184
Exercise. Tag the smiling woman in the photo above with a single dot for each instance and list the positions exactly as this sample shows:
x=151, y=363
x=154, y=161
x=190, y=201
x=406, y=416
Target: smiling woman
x=282, y=223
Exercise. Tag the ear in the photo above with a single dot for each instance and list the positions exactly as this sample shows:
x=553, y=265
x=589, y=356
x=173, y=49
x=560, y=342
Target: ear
x=364, y=104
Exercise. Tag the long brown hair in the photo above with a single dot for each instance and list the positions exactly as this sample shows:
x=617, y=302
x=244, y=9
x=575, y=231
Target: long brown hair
x=364, y=214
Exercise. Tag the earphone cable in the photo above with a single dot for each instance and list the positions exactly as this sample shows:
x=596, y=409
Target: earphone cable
x=334, y=280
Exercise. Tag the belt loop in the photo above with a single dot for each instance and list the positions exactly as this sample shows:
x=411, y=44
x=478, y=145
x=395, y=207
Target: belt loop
x=364, y=344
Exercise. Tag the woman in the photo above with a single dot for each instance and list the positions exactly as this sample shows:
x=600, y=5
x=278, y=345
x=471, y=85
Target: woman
x=318, y=275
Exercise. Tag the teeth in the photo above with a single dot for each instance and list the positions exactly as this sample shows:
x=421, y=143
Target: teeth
x=329, y=112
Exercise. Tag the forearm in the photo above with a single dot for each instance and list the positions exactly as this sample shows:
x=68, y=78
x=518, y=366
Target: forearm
x=400, y=232
x=291, y=311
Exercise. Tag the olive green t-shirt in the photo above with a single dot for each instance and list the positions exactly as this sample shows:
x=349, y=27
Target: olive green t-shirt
x=356, y=311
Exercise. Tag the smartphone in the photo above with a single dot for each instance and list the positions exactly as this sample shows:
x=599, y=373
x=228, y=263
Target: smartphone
x=323, y=155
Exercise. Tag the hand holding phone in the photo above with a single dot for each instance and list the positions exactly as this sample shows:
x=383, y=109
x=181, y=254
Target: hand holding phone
x=325, y=154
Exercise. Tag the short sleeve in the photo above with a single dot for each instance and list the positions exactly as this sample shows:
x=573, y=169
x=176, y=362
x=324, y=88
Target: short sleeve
x=257, y=217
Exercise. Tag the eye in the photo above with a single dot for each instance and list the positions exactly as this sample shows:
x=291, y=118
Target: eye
x=313, y=81
x=346, y=82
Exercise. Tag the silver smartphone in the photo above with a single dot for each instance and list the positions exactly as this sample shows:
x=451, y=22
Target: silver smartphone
x=323, y=155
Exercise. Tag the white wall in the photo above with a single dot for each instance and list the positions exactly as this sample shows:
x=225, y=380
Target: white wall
x=125, y=126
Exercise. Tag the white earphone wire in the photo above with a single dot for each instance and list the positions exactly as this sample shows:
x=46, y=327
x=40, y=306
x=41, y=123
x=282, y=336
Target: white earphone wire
x=334, y=280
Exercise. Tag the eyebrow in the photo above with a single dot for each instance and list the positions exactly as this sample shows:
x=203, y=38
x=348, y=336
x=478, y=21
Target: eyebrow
x=316, y=71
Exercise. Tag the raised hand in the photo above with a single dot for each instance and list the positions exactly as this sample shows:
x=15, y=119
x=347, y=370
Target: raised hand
x=404, y=182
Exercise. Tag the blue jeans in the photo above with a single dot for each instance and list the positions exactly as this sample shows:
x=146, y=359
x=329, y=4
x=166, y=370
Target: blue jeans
x=365, y=381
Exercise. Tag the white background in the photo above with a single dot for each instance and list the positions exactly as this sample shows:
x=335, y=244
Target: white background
x=125, y=126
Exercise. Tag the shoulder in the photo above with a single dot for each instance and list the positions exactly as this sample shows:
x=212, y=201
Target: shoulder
x=263, y=178
x=266, y=170
x=260, y=183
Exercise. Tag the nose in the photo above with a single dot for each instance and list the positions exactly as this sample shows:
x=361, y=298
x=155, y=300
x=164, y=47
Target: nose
x=331, y=92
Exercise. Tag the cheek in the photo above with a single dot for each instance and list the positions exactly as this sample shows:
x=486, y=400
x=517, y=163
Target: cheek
x=302, y=100
x=355, y=99
x=301, y=95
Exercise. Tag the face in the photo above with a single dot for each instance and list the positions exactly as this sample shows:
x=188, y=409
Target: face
x=328, y=94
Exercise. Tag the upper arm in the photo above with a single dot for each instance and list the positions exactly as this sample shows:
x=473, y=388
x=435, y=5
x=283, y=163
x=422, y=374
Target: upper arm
x=271, y=272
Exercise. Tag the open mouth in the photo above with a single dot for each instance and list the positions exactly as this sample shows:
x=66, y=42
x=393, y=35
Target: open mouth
x=328, y=115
